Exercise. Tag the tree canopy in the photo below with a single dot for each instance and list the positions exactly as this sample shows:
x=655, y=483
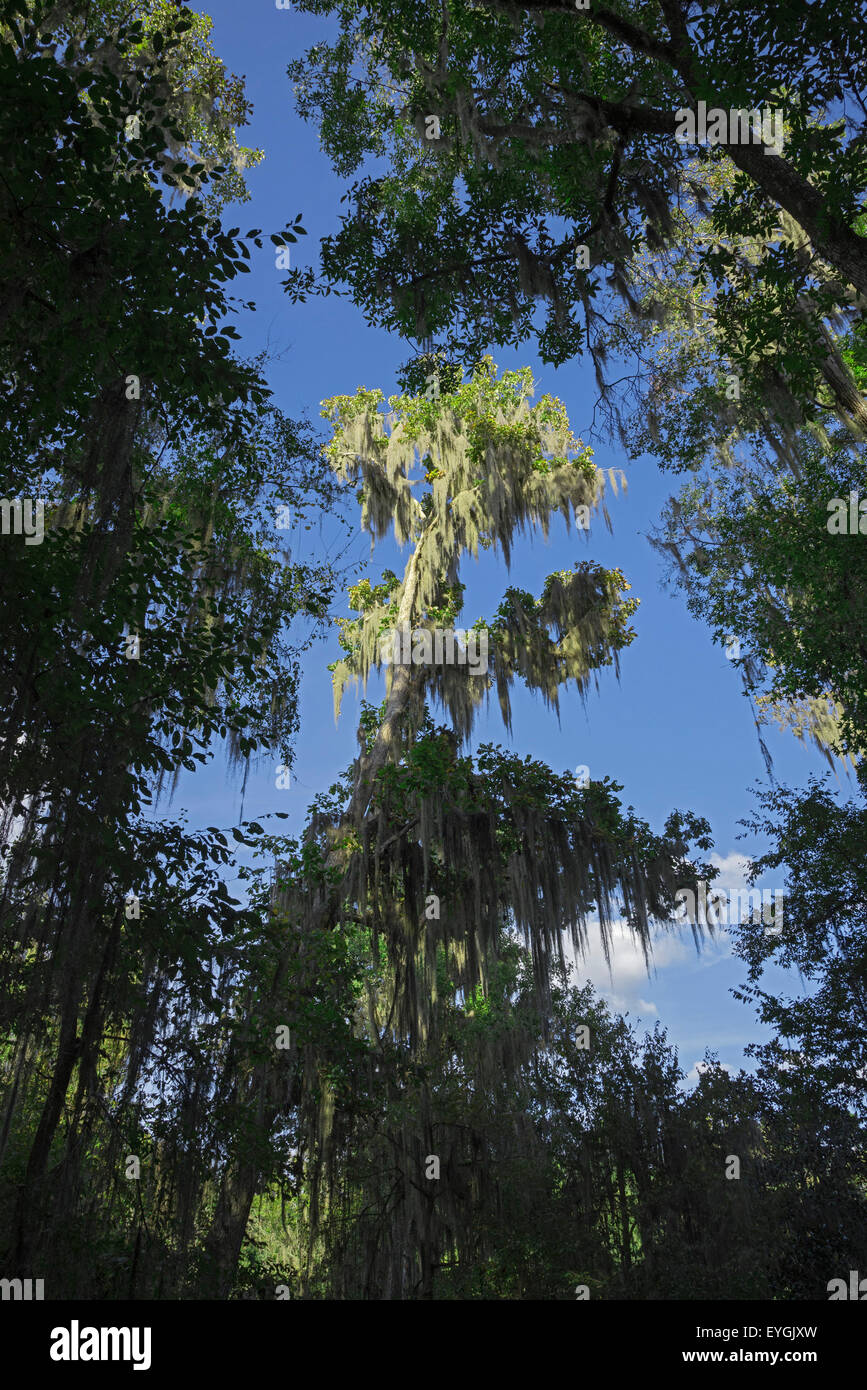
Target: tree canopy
x=516, y=135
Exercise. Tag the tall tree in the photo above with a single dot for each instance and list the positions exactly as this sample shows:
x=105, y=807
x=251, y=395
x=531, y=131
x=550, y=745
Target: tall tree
x=430, y=852
x=157, y=599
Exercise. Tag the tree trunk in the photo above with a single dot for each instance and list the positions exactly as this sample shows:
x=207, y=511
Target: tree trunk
x=226, y=1236
x=835, y=242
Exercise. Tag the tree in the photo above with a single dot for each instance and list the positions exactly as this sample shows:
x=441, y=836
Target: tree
x=819, y=844
x=812, y=1070
x=749, y=538
x=484, y=842
x=91, y=730
x=204, y=102
x=533, y=147
x=757, y=559
x=109, y=299
x=158, y=601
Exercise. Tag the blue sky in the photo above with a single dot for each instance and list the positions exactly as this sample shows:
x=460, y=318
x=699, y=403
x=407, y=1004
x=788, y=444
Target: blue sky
x=676, y=731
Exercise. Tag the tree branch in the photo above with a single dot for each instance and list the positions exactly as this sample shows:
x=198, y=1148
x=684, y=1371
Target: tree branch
x=615, y=24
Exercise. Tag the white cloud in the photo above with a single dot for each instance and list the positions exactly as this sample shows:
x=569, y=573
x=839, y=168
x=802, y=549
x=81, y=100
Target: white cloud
x=627, y=963
x=732, y=871
x=699, y=1067
x=622, y=982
